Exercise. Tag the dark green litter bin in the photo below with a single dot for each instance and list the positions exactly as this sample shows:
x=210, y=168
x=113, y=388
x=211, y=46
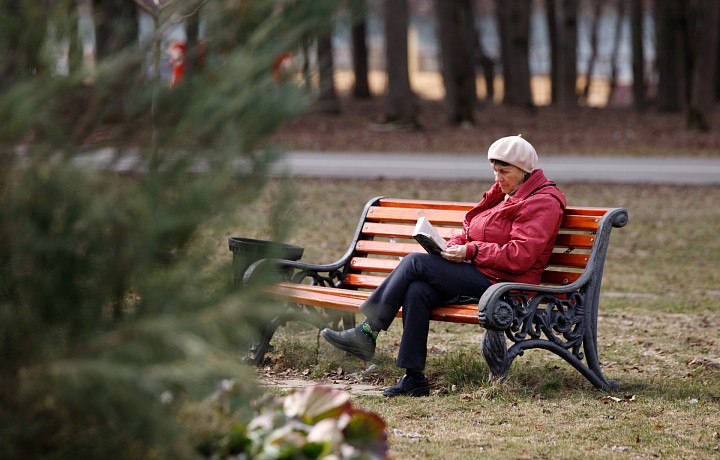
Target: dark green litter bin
x=246, y=251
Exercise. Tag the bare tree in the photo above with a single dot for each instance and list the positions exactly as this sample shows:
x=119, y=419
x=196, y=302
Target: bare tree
x=457, y=37
x=401, y=105
x=567, y=60
x=116, y=25
x=488, y=70
x=21, y=49
x=616, y=47
x=361, y=89
x=327, y=99
x=638, y=56
x=551, y=13
x=670, y=16
x=702, y=95
x=514, y=22
x=597, y=12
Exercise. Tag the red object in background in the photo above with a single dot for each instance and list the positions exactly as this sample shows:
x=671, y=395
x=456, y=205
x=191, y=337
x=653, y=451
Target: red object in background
x=281, y=67
x=177, y=63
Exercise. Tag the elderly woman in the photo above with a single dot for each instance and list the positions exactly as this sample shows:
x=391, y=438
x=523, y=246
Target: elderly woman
x=508, y=236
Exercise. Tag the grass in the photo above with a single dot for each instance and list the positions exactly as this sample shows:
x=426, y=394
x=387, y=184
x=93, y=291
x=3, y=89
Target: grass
x=658, y=334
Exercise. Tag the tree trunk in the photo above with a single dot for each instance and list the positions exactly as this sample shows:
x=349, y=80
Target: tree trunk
x=597, y=12
x=567, y=62
x=488, y=69
x=616, y=49
x=702, y=96
x=717, y=76
x=457, y=37
x=327, y=99
x=401, y=107
x=638, y=56
x=670, y=54
x=514, y=22
x=193, y=48
x=361, y=89
x=21, y=49
x=554, y=55
x=116, y=26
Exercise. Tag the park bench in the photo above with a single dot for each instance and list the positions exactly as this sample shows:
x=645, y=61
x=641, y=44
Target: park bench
x=559, y=315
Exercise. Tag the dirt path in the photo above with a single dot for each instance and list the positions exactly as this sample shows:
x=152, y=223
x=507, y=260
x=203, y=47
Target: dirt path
x=355, y=383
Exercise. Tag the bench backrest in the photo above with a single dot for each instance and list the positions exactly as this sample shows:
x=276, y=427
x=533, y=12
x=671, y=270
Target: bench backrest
x=385, y=236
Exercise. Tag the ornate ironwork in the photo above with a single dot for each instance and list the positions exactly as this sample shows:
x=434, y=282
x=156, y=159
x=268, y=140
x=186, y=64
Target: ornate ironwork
x=333, y=278
x=560, y=321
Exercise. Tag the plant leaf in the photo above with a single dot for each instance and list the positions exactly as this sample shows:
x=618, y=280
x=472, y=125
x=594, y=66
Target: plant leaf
x=315, y=403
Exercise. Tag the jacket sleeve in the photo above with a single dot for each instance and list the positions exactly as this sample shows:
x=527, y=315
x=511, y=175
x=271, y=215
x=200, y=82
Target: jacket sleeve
x=490, y=198
x=457, y=239
x=536, y=224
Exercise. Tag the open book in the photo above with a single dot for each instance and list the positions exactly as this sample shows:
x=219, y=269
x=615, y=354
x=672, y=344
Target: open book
x=428, y=237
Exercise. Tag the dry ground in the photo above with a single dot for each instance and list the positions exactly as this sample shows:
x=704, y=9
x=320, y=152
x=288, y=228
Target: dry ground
x=618, y=131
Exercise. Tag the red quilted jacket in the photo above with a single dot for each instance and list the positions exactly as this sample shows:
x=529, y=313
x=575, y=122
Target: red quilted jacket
x=512, y=240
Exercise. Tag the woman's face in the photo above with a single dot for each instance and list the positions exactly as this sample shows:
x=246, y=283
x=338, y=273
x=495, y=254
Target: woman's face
x=509, y=177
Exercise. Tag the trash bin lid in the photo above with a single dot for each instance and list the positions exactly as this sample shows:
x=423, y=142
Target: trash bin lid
x=250, y=245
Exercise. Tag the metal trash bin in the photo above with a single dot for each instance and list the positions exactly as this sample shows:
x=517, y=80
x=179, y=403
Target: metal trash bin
x=247, y=251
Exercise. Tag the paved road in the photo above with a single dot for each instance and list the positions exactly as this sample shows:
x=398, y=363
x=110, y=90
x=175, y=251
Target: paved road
x=686, y=170
x=658, y=170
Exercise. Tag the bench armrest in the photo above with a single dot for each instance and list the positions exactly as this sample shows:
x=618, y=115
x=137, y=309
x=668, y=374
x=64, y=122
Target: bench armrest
x=294, y=270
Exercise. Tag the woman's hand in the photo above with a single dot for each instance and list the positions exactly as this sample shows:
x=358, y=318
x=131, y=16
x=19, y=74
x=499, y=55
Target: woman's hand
x=454, y=253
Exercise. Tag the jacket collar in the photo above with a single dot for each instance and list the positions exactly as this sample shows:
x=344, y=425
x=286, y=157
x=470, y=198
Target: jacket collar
x=537, y=178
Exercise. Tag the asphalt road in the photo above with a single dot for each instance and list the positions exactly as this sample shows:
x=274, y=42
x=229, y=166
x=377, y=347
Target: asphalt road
x=670, y=170
x=656, y=170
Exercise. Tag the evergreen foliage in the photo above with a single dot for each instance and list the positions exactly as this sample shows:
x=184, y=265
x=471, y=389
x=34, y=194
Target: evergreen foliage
x=107, y=324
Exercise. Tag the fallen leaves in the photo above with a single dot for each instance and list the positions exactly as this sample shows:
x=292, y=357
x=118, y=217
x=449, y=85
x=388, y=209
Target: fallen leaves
x=404, y=434
x=615, y=399
x=703, y=362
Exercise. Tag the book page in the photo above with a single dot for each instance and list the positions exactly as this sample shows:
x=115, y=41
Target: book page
x=428, y=236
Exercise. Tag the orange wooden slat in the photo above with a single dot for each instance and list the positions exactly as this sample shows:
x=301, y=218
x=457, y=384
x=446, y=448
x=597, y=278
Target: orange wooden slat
x=575, y=222
x=454, y=315
x=363, y=281
x=559, y=277
x=350, y=293
x=549, y=277
x=316, y=299
x=374, y=264
x=389, y=230
x=436, y=217
x=387, y=248
x=403, y=231
x=574, y=240
x=586, y=211
x=427, y=204
x=388, y=265
x=337, y=300
x=466, y=206
x=569, y=260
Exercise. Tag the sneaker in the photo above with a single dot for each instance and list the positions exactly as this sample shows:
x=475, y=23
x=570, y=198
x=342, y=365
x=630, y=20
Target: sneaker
x=409, y=385
x=359, y=343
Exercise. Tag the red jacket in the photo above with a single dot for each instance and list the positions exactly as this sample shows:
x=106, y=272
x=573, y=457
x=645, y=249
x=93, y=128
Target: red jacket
x=512, y=240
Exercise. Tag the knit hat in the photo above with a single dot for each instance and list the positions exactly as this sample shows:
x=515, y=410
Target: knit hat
x=514, y=150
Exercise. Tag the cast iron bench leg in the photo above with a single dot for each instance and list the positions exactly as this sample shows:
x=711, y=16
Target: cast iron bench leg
x=495, y=353
x=260, y=347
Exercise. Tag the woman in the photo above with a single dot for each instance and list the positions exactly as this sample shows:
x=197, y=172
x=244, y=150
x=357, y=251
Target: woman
x=508, y=236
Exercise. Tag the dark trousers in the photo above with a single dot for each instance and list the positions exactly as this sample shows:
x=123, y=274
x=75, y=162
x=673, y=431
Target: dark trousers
x=420, y=282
